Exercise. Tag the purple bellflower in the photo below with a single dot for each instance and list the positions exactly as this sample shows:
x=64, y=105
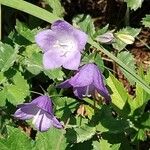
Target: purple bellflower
x=86, y=81
x=62, y=45
x=40, y=109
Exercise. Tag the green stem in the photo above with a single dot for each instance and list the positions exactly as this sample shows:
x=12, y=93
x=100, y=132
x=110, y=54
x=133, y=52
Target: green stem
x=30, y=9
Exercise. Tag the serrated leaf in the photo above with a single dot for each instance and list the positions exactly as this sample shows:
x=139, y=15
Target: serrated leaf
x=85, y=23
x=23, y=30
x=134, y=4
x=53, y=139
x=57, y=9
x=64, y=106
x=146, y=21
x=16, y=140
x=117, y=125
x=80, y=134
x=17, y=91
x=103, y=144
x=125, y=36
x=55, y=74
x=129, y=60
x=8, y=56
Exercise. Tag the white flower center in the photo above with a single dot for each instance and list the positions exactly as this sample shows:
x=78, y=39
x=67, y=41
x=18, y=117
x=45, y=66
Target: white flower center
x=65, y=47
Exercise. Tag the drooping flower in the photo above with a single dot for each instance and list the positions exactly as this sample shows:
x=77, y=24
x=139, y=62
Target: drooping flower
x=40, y=109
x=62, y=45
x=106, y=38
x=86, y=81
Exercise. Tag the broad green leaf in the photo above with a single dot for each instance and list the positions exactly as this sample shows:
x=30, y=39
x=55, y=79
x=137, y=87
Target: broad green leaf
x=18, y=90
x=85, y=23
x=65, y=106
x=117, y=125
x=3, y=96
x=57, y=9
x=134, y=4
x=8, y=56
x=119, y=95
x=146, y=21
x=80, y=134
x=32, y=59
x=53, y=139
x=142, y=96
x=104, y=145
x=129, y=60
x=125, y=36
x=55, y=74
x=23, y=30
x=16, y=140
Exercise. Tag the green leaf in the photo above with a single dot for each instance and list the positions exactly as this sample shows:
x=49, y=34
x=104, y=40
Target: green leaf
x=23, y=30
x=124, y=36
x=53, y=139
x=85, y=23
x=30, y=9
x=103, y=144
x=8, y=56
x=129, y=60
x=142, y=96
x=134, y=4
x=117, y=125
x=57, y=9
x=16, y=140
x=55, y=74
x=80, y=134
x=119, y=95
x=18, y=90
x=146, y=21
x=65, y=106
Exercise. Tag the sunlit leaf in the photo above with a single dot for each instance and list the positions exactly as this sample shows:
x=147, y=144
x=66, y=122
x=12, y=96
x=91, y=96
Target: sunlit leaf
x=8, y=56
x=134, y=4
x=146, y=21
x=125, y=36
x=53, y=139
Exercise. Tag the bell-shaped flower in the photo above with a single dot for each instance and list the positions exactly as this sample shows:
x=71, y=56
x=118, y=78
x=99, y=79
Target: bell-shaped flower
x=40, y=109
x=62, y=45
x=86, y=82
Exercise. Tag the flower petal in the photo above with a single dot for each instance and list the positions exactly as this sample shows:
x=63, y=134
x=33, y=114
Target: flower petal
x=74, y=62
x=84, y=77
x=52, y=59
x=64, y=84
x=43, y=121
x=61, y=26
x=43, y=102
x=26, y=112
x=56, y=123
x=81, y=37
x=79, y=92
x=100, y=86
x=46, y=39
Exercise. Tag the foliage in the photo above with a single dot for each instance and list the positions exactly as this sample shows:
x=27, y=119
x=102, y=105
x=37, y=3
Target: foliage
x=88, y=123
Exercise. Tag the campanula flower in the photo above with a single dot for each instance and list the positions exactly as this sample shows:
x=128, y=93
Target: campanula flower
x=86, y=81
x=62, y=45
x=40, y=109
x=106, y=38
